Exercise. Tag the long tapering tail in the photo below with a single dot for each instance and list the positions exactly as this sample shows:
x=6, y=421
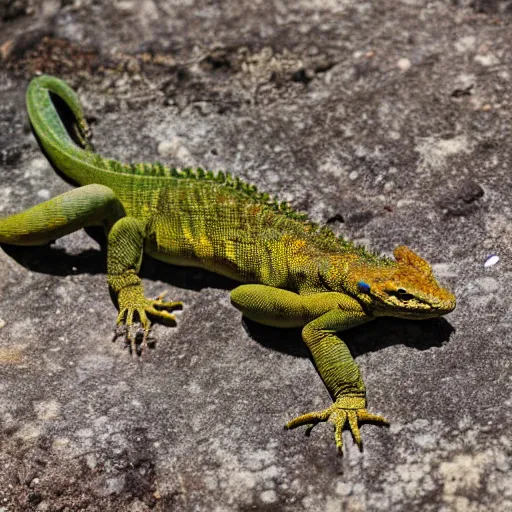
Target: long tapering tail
x=60, y=126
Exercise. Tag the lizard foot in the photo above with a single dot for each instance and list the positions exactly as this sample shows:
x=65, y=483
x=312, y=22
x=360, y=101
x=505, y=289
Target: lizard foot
x=132, y=304
x=346, y=409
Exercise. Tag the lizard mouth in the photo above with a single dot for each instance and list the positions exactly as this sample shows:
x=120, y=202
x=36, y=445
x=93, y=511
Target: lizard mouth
x=426, y=311
x=416, y=309
x=422, y=314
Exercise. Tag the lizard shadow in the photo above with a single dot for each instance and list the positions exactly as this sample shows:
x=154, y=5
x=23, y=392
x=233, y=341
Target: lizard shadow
x=56, y=260
x=371, y=337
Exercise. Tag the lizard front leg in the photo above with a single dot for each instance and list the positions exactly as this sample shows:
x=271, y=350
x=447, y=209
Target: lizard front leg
x=322, y=315
x=125, y=249
x=340, y=374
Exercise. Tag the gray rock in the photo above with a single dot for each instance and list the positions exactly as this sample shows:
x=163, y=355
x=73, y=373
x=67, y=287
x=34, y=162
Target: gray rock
x=390, y=120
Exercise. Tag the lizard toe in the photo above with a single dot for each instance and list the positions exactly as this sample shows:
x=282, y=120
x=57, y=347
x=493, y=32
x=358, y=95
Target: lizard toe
x=162, y=315
x=364, y=415
x=170, y=305
x=354, y=427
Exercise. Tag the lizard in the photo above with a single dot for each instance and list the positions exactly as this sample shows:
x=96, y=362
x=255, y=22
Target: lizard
x=293, y=272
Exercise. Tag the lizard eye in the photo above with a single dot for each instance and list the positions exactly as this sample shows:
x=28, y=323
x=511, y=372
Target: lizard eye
x=402, y=294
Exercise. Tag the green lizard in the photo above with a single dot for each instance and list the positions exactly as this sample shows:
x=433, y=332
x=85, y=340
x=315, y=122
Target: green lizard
x=295, y=273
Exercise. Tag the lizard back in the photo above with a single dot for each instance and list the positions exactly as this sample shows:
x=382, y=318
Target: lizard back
x=194, y=217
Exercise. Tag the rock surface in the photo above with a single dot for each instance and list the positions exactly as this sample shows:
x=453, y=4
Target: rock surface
x=389, y=120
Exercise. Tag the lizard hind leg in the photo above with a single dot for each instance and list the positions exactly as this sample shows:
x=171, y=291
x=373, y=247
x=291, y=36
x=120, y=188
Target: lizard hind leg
x=91, y=205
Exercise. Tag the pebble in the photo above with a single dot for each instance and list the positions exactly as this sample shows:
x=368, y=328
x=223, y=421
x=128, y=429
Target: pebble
x=491, y=261
x=403, y=64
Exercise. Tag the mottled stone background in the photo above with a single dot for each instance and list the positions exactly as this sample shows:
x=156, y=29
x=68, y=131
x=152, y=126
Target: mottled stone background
x=391, y=121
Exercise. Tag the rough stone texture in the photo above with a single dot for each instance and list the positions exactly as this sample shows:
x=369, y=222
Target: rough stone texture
x=392, y=121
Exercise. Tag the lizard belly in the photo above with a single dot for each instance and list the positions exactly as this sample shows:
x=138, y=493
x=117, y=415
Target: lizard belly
x=223, y=251
x=213, y=240
x=194, y=261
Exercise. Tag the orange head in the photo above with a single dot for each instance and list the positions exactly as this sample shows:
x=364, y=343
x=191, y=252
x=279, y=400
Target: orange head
x=405, y=289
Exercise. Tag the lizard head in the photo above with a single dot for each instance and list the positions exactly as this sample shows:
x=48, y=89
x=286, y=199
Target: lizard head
x=407, y=289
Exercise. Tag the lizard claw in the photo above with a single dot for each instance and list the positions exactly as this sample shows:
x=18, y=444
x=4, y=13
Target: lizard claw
x=136, y=338
x=134, y=306
x=346, y=409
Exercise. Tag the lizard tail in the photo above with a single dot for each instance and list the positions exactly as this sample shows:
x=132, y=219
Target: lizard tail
x=61, y=129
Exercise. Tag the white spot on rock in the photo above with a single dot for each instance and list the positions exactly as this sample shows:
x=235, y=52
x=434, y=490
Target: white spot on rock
x=60, y=442
x=35, y=168
x=47, y=410
x=125, y=6
x=272, y=177
x=24, y=329
x=91, y=461
x=426, y=441
x=465, y=44
x=444, y=270
x=44, y=194
x=332, y=165
x=462, y=474
x=194, y=388
x=5, y=192
x=343, y=488
x=434, y=151
x=85, y=433
x=487, y=284
x=269, y=496
x=114, y=485
x=487, y=60
x=28, y=432
x=240, y=474
x=175, y=149
x=389, y=185
x=403, y=64
x=403, y=203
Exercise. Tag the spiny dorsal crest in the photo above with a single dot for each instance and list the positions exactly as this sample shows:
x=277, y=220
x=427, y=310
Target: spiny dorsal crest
x=222, y=178
x=248, y=190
